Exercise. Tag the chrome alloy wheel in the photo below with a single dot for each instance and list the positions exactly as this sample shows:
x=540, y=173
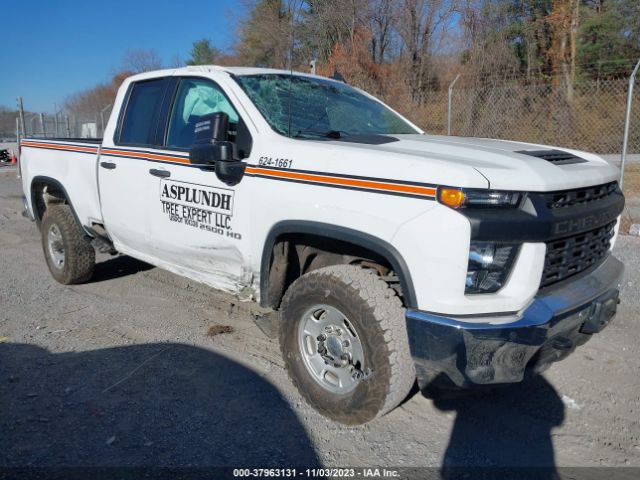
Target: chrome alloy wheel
x=331, y=349
x=56, y=246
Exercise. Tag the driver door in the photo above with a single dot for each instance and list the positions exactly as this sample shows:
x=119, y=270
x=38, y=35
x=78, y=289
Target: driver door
x=199, y=225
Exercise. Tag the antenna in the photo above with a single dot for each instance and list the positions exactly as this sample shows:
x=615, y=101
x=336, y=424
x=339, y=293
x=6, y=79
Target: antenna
x=291, y=47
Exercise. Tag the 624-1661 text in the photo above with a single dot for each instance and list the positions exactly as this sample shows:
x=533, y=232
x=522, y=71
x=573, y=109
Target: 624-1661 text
x=275, y=162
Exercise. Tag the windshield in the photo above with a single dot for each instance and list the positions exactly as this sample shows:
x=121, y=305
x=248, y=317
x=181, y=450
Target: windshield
x=319, y=107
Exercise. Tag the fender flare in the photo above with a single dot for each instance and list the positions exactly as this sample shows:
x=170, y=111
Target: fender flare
x=55, y=183
x=375, y=244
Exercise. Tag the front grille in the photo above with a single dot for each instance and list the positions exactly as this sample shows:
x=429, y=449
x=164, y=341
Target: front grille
x=569, y=256
x=580, y=196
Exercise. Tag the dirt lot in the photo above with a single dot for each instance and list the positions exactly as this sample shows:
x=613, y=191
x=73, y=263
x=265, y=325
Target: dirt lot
x=122, y=371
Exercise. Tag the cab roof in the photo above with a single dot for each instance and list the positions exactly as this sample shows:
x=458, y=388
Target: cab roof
x=218, y=68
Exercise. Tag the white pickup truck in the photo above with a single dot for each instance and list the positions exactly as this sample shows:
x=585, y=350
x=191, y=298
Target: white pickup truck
x=381, y=254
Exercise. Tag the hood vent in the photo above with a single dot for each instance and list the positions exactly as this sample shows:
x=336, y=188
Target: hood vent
x=557, y=157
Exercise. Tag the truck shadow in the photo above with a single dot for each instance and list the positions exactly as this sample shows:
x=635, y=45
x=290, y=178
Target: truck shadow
x=504, y=428
x=167, y=405
x=116, y=267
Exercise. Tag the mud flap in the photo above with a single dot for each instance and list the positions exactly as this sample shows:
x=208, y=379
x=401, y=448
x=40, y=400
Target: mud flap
x=268, y=323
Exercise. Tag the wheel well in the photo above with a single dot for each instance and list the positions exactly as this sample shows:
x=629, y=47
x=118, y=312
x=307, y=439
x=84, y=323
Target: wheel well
x=44, y=193
x=294, y=254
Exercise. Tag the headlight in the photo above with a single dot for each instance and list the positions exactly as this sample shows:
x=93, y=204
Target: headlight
x=468, y=197
x=489, y=266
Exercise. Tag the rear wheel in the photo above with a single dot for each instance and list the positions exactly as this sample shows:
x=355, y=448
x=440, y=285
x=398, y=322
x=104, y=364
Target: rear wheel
x=67, y=249
x=344, y=342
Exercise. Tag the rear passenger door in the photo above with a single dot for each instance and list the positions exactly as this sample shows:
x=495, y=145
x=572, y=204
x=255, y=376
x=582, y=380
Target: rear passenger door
x=124, y=177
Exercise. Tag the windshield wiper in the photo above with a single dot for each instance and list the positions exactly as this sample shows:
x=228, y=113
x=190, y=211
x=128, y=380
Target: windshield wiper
x=334, y=134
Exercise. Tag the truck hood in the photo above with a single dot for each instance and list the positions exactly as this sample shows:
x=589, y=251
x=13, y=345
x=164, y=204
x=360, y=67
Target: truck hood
x=503, y=163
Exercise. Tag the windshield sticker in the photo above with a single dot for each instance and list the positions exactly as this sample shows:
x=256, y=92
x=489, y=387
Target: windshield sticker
x=198, y=206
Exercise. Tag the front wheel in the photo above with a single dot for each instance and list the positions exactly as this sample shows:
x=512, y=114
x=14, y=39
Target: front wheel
x=344, y=343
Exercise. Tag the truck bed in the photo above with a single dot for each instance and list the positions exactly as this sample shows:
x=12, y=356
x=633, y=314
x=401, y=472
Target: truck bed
x=70, y=163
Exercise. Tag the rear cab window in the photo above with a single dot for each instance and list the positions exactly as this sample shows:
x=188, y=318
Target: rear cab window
x=140, y=120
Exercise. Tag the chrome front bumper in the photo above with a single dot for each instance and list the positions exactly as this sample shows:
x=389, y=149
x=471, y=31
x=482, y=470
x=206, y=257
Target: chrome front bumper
x=504, y=349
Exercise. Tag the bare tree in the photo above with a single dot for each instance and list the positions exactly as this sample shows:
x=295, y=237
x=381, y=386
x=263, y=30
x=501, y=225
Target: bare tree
x=381, y=19
x=177, y=61
x=418, y=22
x=141, y=60
x=328, y=23
x=563, y=20
x=91, y=101
x=266, y=34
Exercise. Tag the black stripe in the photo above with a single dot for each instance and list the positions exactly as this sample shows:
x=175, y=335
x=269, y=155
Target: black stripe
x=146, y=151
x=167, y=162
x=344, y=187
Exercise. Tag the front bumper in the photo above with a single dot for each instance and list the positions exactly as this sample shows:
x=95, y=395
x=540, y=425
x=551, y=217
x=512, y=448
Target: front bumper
x=488, y=350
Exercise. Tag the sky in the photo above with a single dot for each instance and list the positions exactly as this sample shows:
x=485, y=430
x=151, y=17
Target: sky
x=51, y=49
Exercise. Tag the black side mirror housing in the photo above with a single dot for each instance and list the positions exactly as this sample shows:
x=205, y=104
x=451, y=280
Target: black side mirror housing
x=213, y=148
x=209, y=153
x=230, y=172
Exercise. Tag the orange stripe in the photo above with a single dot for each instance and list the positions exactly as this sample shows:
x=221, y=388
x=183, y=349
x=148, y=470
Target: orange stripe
x=351, y=182
x=55, y=146
x=150, y=156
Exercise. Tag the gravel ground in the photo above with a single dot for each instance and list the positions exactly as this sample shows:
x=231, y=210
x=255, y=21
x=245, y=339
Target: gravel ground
x=123, y=371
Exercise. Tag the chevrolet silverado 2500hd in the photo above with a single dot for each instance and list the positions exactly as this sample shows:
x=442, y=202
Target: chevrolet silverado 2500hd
x=384, y=255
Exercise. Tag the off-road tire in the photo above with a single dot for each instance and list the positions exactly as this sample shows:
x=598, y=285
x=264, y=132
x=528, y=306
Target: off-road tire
x=80, y=256
x=377, y=315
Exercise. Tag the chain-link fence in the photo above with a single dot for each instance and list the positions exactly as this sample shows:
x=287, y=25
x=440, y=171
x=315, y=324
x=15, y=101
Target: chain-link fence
x=590, y=117
x=66, y=125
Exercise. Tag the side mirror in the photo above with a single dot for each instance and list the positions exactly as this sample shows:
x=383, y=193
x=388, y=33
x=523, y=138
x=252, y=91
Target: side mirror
x=212, y=147
x=207, y=154
x=230, y=172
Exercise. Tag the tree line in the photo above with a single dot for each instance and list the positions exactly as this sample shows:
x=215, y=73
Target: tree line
x=408, y=48
x=419, y=44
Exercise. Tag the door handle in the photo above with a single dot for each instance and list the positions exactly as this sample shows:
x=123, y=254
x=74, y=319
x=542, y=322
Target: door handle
x=108, y=165
x=159, y=173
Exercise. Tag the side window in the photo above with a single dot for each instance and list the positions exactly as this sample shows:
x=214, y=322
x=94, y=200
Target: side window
x=140, y=118
x=195, y=98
